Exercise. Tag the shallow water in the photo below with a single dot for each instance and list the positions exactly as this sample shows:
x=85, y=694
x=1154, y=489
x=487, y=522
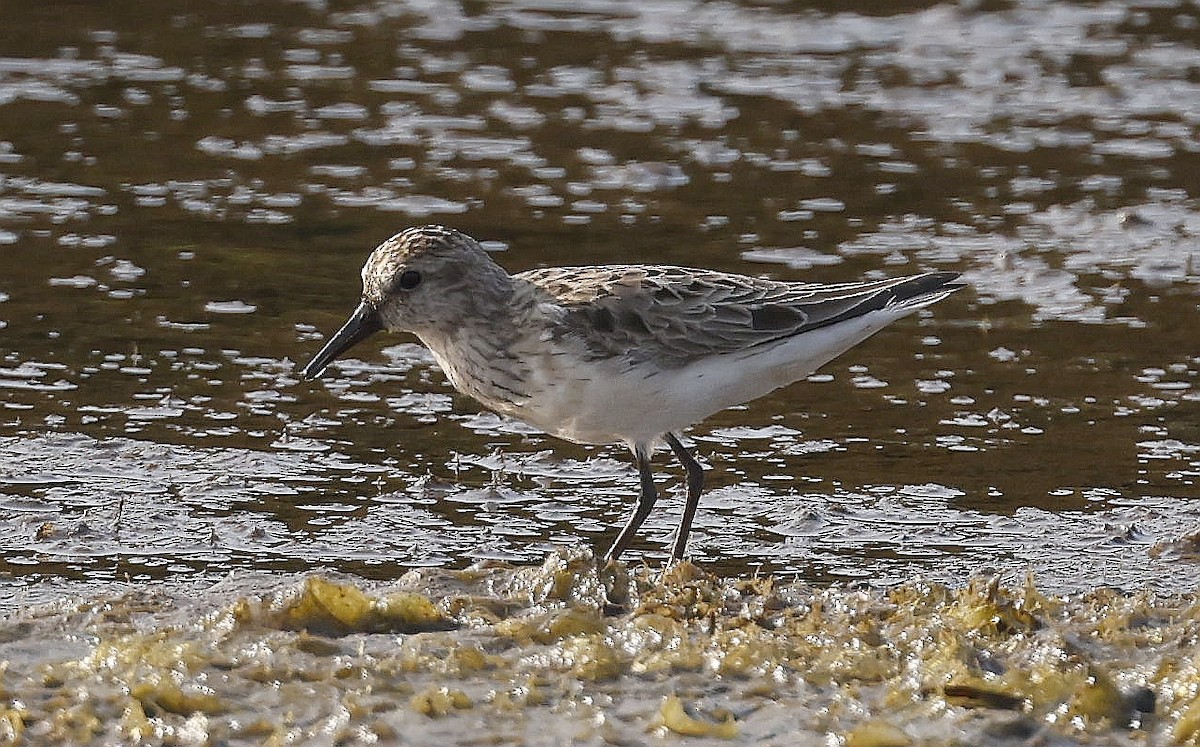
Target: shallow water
x=186, y=196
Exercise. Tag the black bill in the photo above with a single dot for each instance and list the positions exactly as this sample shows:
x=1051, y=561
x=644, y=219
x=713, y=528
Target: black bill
x=363, y=323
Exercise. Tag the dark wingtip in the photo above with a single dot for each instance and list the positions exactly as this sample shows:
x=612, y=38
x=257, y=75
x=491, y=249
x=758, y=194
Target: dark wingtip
x=947, y=280
x=916, y=291
x=929, y=283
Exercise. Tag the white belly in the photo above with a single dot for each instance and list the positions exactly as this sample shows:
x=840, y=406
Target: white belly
x=608, y=401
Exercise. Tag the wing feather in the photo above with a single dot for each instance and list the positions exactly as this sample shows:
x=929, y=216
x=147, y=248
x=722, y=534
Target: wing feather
x=675, y=316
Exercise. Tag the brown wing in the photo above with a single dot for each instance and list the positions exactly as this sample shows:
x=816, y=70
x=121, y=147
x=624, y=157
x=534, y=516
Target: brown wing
x=677, y=315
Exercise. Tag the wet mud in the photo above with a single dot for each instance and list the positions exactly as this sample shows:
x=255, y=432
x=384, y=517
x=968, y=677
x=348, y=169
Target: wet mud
x=559, y=654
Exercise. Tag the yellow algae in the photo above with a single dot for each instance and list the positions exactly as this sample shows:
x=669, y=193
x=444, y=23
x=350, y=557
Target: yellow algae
x=423, y=653
x=1034, y=601
x=441, y=656
x=917, y=663
x=675, y=717
x=986, y=608
x=659, y=645
x=944, y=658
x=315, y=645
x=593, y=657
x=1051, y=686
x=433, y=655
x=322, y=603
x=532, y=691
x=505, y=700
x=685, y=572
x=745, y=652
x=330, y=607
x=529, y=695
x=158, y=671
x=657, y=630
x=437, y=702
x=476, y=609
x=877, y=734
x=472, y=659
x=1130, y=618
x=75, y=724
x=552, y=626
x=840, y=653
x=567, y=624
x=1187, y=725
x=359, y=704
x=1179, y=686
x=134, y=724
x=409, y=611
x=384, y=732
x=1098, y=701
x=685, y=593
x=917, y=596
x=12, y=724
x=562, y=577
x=153, y=651
x=165, y=694
x=520, y=629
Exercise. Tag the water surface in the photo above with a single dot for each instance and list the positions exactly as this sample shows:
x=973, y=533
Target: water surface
x=186, y=195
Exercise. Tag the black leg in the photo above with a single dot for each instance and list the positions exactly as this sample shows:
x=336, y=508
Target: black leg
x=644, y=503
x=695, y=483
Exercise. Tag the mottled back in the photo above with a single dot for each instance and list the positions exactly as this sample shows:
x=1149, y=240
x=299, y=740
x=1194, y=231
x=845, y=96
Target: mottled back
x=676, y=315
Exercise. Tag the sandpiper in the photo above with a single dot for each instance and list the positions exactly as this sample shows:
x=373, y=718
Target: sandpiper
x=622, y=353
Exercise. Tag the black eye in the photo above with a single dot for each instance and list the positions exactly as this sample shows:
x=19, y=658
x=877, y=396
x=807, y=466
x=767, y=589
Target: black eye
x=409, y=279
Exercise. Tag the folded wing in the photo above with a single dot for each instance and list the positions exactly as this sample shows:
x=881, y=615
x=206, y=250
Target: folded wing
x=676, y=316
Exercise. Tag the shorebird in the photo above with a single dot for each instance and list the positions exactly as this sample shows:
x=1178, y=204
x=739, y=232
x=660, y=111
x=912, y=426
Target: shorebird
x=627, y=354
